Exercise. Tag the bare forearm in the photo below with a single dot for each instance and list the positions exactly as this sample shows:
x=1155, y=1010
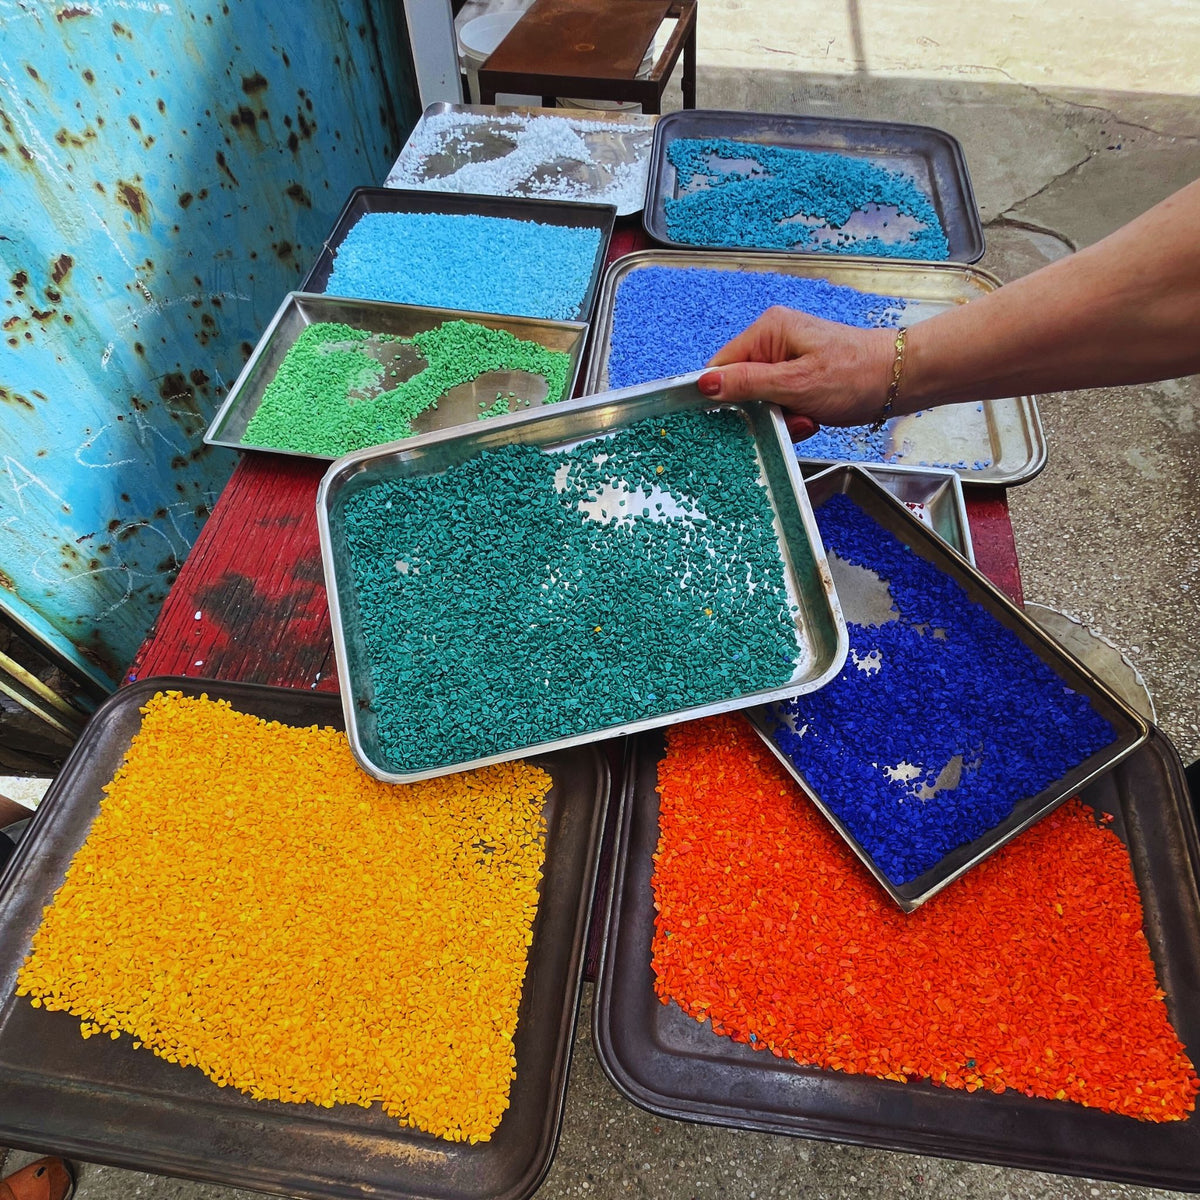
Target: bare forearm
x=1126, y=310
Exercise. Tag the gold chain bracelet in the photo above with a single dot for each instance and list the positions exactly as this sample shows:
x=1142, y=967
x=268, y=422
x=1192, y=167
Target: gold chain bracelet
x=894, y=387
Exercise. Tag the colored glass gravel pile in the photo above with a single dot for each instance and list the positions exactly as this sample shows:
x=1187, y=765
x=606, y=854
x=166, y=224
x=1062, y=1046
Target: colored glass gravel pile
x=1031, y=973
x=250, y=903
x=331, y=393
x=944, y=684
x=769, y=194
x=509, y=154
x=527, y=596
x=672, y=320
x=477, y=264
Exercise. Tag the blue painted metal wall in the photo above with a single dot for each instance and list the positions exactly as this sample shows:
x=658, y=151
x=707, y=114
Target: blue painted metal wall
x=167, y=171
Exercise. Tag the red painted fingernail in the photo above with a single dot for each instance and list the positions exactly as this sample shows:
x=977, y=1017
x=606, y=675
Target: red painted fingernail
x=710, y=384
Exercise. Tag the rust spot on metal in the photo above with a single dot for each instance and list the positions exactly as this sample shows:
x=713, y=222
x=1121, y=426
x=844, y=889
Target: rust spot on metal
x=207, y=321
x=247, y=349
x=10, y=397
x=185, y=198
x=160, y=514
x=71, y=11
x=134, y=199
x=138, y=404
x=61, y=268
x=52, y=295
x=253, y=83
x=138, y=348
x=244, y=118
x=32, y=72
x=225, y=168
x=113, y=526
x=6, y=582
x=128, y=531
x=135, y=123
x=121, y=31
x=41, y=314
x=296, y=192
x=25, y=153
x=99, y=187
x=202, y=194
x=162, y=106
x=293, y=142
x=201, y=511
x=88, y=74
x=67, y=318
x=124, y=499
x=198, y=377
x=20, y=281
x=179, y=462
x=178, y=393
x=11, y=323
x=283, y=250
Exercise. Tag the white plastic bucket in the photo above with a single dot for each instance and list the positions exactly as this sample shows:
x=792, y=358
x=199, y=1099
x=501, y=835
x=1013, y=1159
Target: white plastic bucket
x=476, y=41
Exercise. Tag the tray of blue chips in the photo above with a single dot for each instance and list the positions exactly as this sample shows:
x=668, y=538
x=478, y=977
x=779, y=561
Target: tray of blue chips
x=811, y=185
x=955, y=723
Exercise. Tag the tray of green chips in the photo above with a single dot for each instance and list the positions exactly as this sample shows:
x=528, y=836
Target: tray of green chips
x=333, y=375
x=611, y=564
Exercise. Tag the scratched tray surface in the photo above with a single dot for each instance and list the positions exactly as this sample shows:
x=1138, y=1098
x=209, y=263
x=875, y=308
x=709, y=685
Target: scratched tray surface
x=667, y=1062
x=364, y=200
x=933, y=497
x=487, y=150
x=866, y=600
x=998, y=442
x=931, y=158
x=459, y=406
x=102, y=1101
x=819, y=630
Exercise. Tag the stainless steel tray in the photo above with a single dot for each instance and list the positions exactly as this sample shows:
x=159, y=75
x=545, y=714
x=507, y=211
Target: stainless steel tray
x=661, y=1059
x=820, y=630
x=366, y=200
x=461, y=406
x=934, y=497
x=932, y=158
x=1006, y=435
x=618, y=149
x=863, y=597
x=103, y=1101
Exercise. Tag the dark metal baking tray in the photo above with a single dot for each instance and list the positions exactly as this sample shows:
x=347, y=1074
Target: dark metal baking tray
x=820, y=630
x=932, y=158
x=862, y=595
x=933, y=497
x=666, y=1062
x=102, y=1101
x=460, y=406
x=366, y=200
x=616, y=140
x=997, y=442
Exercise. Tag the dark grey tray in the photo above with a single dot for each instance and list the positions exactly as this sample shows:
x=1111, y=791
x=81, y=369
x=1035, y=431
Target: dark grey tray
x=862, y=595
x=365, y=200
x=102, y=1101
x=933, y=159
x=666, y=1062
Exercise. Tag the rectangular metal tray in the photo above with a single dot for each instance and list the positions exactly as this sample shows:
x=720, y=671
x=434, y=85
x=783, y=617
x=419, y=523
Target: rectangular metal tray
x=300, y=309
x=626, y=140
x=102, y=1101
x=366, y=200
x=932, y=496
x=860, y=594
x=664, y=1061
x=932, y=158
x=821, y=632
x=1005, y=434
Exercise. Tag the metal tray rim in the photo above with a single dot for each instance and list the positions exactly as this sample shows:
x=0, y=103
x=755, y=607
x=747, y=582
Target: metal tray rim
x=540, y=1151
x=730, y=259
x=642, y=122
x=848, y=1129
x=975, y=236
x=294, y=298
x=343, y=466
x=903, y=895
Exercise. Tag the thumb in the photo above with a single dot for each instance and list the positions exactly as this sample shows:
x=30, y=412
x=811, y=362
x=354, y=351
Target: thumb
x=748, y=381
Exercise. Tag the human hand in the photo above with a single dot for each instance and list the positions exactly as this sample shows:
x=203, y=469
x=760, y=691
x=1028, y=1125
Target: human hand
x=819, y=372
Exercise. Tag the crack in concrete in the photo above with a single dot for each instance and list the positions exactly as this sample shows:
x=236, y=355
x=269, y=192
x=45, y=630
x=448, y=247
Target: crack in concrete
x=1071, y=170
x=1006, y=222
x=1111, y=114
